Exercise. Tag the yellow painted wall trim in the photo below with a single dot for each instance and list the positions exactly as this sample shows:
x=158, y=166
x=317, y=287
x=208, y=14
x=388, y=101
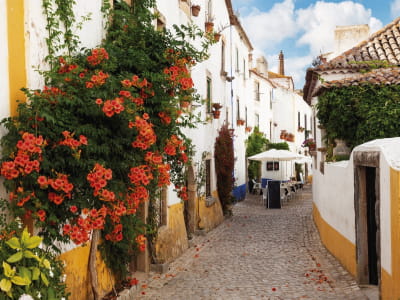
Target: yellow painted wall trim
x=16, y=52
x=77, y=276
x=390, y=284
x=336, y=243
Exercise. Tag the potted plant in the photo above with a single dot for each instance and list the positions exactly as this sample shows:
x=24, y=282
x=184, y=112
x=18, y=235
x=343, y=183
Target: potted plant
x=283, y=135
x=217, y=36
x=195, y=10
x=310, y=143
x=216, y=110
x=290, y=137
x=240, y=122
x=209, y=24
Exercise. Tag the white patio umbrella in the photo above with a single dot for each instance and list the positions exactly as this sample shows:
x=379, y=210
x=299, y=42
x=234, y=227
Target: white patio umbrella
x=275, y=155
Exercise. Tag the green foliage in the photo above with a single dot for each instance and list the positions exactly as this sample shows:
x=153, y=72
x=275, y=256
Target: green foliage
x=27, y=269
x=256, y=143
x=278, y=146
x=224, y=165
x=358, y=114
x=112, y=110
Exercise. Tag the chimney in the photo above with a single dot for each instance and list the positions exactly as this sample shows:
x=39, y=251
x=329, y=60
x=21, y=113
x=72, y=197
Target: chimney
x=281, y=64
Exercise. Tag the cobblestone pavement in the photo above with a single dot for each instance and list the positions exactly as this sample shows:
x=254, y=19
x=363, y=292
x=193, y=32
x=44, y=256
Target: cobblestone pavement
x=258, y=253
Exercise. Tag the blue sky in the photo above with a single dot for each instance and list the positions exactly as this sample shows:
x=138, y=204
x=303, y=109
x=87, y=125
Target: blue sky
x=303, y=29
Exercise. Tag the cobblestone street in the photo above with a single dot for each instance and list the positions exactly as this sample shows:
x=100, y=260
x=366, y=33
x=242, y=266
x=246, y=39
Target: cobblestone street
x=258, y=253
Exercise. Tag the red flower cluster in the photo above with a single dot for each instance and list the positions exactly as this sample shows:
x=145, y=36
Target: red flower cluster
x=97, y=80
x=165, y=118
x=112, y=107
x=116, y=234
x=174, y=144
x=140, y=175
x=182, y=192
x=90, y=220
x=29, y=147
x=98, y=178
x=146, y=135
x=133, y=199
x=163, y=175
x=141, y=240
x=69, y=141
x=64, y=67
x=98, y=55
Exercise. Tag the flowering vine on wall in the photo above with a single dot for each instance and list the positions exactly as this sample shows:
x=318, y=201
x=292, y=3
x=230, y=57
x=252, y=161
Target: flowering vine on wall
x=104, y=135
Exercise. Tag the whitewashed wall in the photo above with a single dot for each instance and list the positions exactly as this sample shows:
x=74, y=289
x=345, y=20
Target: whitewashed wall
x=337, y=208
x=35, y=22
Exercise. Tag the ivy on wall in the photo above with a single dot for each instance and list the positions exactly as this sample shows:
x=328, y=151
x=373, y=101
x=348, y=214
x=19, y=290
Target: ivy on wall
x=357, y=114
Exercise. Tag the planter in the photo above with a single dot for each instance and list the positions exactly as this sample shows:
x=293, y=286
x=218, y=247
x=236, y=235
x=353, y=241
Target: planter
x=209, y=27
x=216, y=114
x=195, y=10
x=312, y=147
x=248, y=129
x=217, y=36
x=240, y=122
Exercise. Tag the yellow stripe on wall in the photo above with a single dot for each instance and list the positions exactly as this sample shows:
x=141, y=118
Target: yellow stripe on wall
x=336, y=243
x=16, y=52
x=390, y=284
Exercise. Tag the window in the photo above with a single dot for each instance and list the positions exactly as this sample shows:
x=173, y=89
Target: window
x=237, y=109
x=208, y=177
x=244, y=69
x=270, y=130
x=298, y=119
x=209, y=11
x=270, y=99
x=237, y=59
x=209, y=94
x=223, y=58
x=257, y=91
x=257, y=120
x=245, y=115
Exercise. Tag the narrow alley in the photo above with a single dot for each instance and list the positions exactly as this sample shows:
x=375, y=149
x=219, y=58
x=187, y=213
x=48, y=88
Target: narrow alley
x=258, y=253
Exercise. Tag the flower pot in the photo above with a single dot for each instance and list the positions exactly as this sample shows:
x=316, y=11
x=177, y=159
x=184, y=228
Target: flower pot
x=209, y=26
x=195, y=10
x=217, y=36
x=216, y=114
x=240, y=122
x=248, y=129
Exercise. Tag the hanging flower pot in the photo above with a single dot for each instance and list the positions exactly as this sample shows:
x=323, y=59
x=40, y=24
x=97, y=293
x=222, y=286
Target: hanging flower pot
x=248, y=129
x=195, y=10
x=216, y=114
x=209, y=27
x=240, y=122
x=217, y=36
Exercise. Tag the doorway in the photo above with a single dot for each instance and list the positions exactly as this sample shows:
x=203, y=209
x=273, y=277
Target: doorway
x=367, y=215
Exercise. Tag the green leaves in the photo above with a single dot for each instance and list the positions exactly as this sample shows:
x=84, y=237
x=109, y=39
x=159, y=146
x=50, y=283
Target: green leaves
x=358, y=114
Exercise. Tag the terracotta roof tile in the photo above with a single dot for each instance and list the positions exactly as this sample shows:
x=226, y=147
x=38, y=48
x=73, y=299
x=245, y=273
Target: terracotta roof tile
x=382, y=45
x=379, y=76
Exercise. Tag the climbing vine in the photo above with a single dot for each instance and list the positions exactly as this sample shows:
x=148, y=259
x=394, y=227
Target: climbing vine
x=105, y=133
x=358, y=114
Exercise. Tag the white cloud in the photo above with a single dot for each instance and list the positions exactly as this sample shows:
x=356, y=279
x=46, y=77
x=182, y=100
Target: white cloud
x=318, y=22
x=395, y=8
x=267, y=29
